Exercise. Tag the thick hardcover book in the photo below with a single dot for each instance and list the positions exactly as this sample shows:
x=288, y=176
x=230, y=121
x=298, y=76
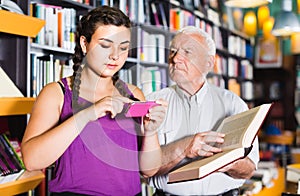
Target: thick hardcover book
x=240, y=131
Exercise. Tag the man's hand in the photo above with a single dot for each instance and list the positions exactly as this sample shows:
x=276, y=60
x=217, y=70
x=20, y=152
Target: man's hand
x=202, y=144
x=242, y=168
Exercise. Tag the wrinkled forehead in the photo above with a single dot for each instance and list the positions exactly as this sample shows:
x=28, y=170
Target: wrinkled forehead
x=189, y=40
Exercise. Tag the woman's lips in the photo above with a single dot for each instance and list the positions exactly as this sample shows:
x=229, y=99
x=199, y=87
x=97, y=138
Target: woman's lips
x=111, y=66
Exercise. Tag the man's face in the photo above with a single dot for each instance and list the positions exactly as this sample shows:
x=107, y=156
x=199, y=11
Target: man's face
x=188, y=58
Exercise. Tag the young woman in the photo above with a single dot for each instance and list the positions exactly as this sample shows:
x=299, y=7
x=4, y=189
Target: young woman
x=78, y=123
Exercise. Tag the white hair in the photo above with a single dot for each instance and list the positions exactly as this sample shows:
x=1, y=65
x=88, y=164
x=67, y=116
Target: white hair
x=209, y=41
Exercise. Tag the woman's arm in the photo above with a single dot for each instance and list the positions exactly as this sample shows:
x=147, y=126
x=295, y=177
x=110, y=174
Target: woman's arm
x=150, y=154
x=44, y=140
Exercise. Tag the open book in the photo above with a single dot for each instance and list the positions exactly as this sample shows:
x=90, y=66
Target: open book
x=240, y=131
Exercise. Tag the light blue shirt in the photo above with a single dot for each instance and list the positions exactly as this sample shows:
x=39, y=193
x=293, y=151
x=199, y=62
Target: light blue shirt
x=189, y=115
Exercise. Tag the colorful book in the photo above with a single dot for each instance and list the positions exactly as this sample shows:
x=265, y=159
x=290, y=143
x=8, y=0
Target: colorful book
x=11, y=165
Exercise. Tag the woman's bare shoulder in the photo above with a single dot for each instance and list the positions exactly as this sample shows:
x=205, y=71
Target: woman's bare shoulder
x=136, y=91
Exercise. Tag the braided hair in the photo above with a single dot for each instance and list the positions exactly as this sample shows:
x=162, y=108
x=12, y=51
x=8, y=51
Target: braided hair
x=102, y=15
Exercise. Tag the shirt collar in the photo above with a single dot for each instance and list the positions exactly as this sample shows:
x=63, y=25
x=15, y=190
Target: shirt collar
x=198, y=97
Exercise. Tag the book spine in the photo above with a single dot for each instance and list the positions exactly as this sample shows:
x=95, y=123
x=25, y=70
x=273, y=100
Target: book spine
x=7, y=163
x=155, y=15
x=12, y=159
x=14, y=152
x=3, y=168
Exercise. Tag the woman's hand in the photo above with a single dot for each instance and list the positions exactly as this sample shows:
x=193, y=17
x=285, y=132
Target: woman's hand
x=109, y=104
x=155, y=116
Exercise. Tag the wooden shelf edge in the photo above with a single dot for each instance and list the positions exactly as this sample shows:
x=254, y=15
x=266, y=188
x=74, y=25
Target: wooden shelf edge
x=277, y=188
x=19, y=24
x=16, y=105
x=28, y=181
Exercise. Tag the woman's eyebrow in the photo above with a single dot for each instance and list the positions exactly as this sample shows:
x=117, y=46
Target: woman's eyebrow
x=105, y=39
x=125, y=42
x=108, y=40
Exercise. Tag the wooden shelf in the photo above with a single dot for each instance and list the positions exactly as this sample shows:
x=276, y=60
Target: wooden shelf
x=16, y=105
x=19, y=24
x=277, y=188
x=28, y=181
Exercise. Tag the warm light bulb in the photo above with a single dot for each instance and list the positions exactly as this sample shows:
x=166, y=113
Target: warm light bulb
x=250, y=23
x=295, y=43
x=263, y=13
x=268, y=26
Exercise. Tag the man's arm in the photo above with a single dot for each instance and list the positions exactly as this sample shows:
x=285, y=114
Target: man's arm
x=189, y=147
x=242, y=169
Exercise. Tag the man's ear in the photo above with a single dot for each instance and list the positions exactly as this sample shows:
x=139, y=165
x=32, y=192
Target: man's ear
x=211, y=61
x=83, y=44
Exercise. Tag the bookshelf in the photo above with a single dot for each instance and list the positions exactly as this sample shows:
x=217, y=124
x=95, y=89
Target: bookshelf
x=16, y=105
x=278, y=85
x=29, y=179
x=16, y=56
x=234, y=60
x=9, y=24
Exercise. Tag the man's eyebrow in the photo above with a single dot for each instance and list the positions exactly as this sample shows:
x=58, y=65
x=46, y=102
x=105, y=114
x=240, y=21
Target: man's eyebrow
x=108, y=40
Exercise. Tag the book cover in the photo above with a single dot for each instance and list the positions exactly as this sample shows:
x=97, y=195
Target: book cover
x=240, y=131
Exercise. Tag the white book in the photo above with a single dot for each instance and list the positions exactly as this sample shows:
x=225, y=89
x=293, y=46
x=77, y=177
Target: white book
x=7, y=87
x=240, y=132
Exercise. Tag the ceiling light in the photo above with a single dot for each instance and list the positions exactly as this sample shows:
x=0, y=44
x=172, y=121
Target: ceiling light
x=286, y=22
x=250, y=23
x=246, y=3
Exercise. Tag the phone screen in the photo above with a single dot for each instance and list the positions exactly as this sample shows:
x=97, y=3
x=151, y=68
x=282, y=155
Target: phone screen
x=138, y=109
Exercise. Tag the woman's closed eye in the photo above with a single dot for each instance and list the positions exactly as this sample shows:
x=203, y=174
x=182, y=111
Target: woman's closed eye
x=124, y=47
x=105, y=45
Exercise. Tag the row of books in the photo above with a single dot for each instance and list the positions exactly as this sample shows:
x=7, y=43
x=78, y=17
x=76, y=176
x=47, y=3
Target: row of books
x=60, y=27
x=87, y=2
x=231, y=67
x=126, y=75
x=178, y=18
x=217, y=80
x=153, y=79
x=46, y=69
x=11, y=165
x=135, y=10
x=152, y=47
x=243, y=89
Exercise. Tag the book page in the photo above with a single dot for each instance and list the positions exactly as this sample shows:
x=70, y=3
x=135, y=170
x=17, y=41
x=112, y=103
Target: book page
x=235, y=128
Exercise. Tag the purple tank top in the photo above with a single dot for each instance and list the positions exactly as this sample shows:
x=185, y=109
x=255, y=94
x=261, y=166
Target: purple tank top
x=102, y=160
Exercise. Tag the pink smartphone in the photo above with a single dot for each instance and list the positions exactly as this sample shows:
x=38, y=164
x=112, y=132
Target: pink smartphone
x=138, y=109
